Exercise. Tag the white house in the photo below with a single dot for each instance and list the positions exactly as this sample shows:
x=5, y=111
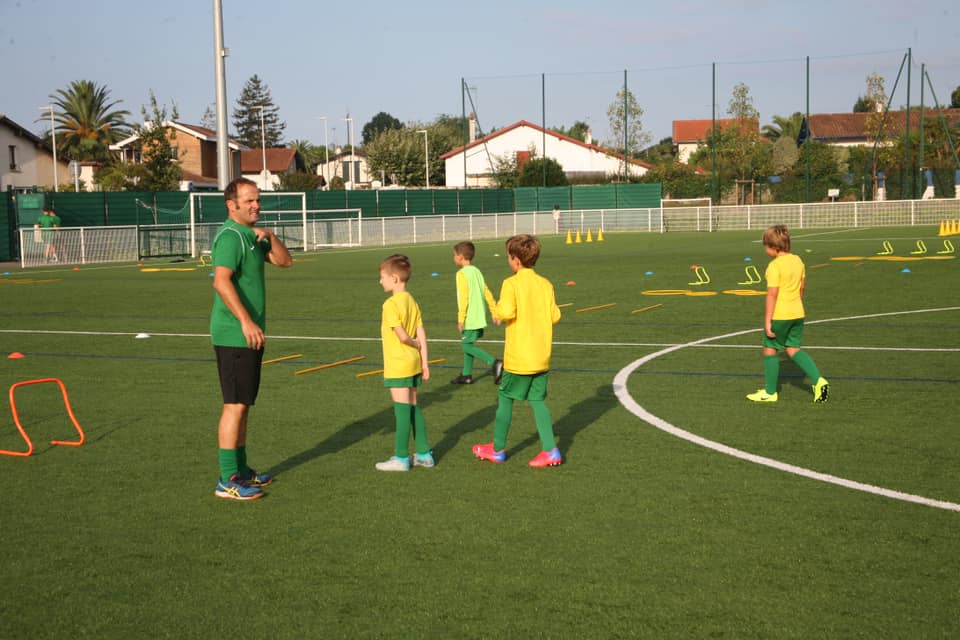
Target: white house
x=524, y=140
x=28, y=160
x=351, y=166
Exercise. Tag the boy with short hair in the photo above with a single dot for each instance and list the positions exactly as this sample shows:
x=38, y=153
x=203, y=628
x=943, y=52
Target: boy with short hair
x=404, y=364
x=528, y=306
x=783, y=317
x=473, y=299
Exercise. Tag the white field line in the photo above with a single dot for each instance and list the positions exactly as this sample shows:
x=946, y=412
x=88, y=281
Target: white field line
x=620, y=389
x=457, y=341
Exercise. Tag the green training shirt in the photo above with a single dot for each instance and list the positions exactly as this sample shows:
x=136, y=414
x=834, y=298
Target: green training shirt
x=235, y=247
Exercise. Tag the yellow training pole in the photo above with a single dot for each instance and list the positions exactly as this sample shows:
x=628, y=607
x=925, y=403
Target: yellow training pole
x=327, y=366
x=599, y=306
x=653, y=306
x=284, y=358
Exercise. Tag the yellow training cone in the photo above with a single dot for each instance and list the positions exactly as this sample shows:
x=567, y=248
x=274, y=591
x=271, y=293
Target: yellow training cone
x=589, y=236
x=579, y=240
x=569, y=240
x=599, y=235
x=943, y=228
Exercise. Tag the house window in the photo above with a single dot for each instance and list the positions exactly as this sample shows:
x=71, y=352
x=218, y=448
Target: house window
x=174, y=152
x=14, y=166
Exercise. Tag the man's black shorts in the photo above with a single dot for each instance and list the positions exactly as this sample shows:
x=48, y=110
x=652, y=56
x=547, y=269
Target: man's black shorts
x=239, y=369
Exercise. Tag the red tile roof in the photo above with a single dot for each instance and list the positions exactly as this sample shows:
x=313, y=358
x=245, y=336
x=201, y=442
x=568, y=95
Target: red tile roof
x=279, y=160
x=850, y=127
x=699, y=130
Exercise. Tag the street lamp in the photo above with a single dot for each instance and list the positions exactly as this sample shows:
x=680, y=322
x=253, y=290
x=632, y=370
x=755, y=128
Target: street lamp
x=350, y=173
x=426, y=154
x=326, y=150
x=263, y=147
x=53, y=137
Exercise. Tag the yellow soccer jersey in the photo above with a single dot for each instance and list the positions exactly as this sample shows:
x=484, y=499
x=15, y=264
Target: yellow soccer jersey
x=528, y=306
x=787, y=273
x=400, y=360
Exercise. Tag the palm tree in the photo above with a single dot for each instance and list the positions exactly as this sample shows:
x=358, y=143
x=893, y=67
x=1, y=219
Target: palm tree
x=783, y=127
x=87, y=121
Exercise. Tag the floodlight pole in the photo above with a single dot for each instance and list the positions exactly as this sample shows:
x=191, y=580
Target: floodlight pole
x=224, y=166
x=263, y=147
x=326, y=151
x=349, y=122
x=53, y=138
x=426, y=154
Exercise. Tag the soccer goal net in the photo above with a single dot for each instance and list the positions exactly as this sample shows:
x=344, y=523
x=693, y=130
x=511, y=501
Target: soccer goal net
x=687, y=214
x=284, y=213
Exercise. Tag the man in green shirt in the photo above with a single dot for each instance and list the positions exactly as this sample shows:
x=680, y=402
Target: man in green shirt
x=49, y=223
x=237, y=325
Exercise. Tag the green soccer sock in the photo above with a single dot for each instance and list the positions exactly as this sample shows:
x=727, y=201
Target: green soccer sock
x=228, y=464
x=242, y=467
x=419, y=429
x=401, y=439
x=544, y=422
x=472, y=350
x=805, y=362
x=467, y=362
x=771, y=373
x=501, y=423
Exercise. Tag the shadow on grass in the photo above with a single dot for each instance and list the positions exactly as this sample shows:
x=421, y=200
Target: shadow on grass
x=380, y=422
x=578, y=417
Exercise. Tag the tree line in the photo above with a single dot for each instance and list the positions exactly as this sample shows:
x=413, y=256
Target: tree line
x=732, y=163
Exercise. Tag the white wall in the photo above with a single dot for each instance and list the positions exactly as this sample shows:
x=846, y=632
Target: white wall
x=35, y=164
x=573, y=157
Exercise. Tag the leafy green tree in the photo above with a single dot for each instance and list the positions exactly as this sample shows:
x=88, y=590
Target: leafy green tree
x=955, y=98
x=119, y=176
x=633, y=138
x=312, y=155
x=378, y=124
x=337, y=183
x=247, y=116
x=825, y=174
x=578, y=130
x=299, y=181
x=678, y=180
x=663, y=152
x=163, y=172
x=781, y=127
x=505, y=172
x=532, y=173
x=87, y=121
x=875, y=95
x=398, y=153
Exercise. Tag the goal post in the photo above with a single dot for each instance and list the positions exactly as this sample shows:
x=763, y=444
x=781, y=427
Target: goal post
x=285, y=213
x=687, y=214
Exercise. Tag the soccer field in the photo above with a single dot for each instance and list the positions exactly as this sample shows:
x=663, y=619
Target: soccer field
x=682, y=509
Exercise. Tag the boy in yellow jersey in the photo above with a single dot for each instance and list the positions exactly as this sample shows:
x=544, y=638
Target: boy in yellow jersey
x=404, y=364
x=528, y=306
x=473, y=299
x=783, y=317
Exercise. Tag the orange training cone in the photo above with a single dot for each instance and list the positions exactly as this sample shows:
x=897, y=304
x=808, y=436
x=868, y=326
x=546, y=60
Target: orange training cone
x=16, y=355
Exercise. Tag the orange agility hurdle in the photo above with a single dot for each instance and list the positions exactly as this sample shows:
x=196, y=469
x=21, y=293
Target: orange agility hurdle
x=23, y=433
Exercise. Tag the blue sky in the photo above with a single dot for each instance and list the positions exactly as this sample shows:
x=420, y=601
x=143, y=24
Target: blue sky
x=331, y=58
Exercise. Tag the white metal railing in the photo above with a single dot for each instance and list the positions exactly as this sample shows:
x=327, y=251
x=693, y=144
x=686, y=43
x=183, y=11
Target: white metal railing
x=85, y=245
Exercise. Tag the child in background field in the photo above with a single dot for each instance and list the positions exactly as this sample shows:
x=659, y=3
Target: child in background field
x=473, y=298
x=783, y=317
x=528, y=306
x=404, y=364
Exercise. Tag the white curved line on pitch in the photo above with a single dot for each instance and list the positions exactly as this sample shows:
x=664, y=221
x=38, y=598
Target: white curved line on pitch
x=631, y=405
